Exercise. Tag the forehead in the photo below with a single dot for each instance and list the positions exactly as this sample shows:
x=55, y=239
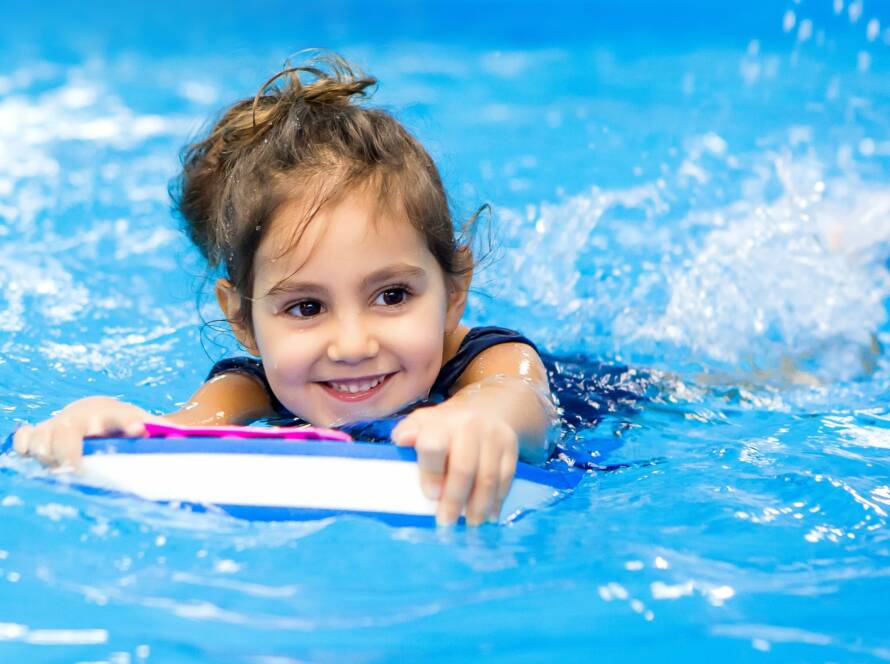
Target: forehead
x=351, y=235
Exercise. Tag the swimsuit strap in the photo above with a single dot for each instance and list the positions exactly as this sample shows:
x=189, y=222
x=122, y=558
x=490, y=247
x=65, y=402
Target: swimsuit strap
x=476, y=341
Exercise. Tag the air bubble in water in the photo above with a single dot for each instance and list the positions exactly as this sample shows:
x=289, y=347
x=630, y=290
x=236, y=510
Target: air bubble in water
x=788, y=21
x=863, y=61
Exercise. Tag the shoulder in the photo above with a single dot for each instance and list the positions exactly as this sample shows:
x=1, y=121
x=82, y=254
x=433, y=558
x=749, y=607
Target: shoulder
x=249, y=369
x=482, y=351
x=510, y=356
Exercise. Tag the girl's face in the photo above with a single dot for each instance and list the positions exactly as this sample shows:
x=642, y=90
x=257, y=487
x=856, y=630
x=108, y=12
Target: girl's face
x=351, y=322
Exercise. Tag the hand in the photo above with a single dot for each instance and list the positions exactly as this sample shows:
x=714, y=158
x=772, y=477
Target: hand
x=467, y=459
x=58, y=441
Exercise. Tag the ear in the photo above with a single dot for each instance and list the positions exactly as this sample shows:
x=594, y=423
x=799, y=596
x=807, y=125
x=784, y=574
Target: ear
x=458, y=286
x=230, y=302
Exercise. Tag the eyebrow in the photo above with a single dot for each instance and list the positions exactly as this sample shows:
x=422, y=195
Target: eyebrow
x=389, y=273
x=399, y=271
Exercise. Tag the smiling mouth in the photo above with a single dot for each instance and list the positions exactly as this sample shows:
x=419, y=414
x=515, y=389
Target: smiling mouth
x=356, y=389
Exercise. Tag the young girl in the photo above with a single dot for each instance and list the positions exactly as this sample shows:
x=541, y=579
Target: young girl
x=345, y=279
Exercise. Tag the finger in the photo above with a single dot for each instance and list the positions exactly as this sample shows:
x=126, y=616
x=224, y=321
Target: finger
x=405, y=432
x=134, y=429
x=485, y=487
x=431, y=484
x=95, y=426
x=39, y=446
x=67, y=445
x=21, y=437
x=129, y=424
x=463, y=459
x=432, y=453
x=505, y=482
x=120, y=424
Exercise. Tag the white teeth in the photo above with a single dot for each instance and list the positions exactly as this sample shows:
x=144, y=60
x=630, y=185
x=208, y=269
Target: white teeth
x=355, y=388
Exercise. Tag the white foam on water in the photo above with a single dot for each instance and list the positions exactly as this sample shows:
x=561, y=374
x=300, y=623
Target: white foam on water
x=772, y=633
x=117, y=352
x=38, y=277
x=802, y=276
x=199, y=92
x=516, y=63
x=80, y=113
x=32, y=284
x=17, y=632
x=859, y=434
x=81, y=107
x=797, y=276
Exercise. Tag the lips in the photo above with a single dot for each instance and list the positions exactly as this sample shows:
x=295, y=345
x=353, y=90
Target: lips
x=356, y=389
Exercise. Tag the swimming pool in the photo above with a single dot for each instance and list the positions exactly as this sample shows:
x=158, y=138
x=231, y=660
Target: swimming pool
x=696, y=195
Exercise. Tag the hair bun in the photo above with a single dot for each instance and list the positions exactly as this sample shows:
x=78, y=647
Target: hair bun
x=335, y=83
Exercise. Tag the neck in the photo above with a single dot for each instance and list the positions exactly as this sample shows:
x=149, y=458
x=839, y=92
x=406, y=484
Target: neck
x=452, y=342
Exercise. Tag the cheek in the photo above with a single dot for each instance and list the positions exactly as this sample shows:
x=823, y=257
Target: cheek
x=286, y=354
x=420, y=340
x=289, y=362
x=422, y=353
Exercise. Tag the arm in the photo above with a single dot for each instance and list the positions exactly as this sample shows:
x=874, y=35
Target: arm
x=230, y=398
x=510, y=381
x=467, y=447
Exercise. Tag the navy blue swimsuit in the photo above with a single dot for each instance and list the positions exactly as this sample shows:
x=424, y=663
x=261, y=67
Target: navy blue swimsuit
x=585, y=389
x=476, y=341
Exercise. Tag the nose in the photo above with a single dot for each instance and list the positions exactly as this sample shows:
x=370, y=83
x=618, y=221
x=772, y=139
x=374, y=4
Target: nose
x=352, y=342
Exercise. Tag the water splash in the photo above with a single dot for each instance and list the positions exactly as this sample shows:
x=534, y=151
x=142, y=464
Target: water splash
x=791, y=279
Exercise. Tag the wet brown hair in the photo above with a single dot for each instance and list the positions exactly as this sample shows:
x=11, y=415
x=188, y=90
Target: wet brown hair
x=312, y=143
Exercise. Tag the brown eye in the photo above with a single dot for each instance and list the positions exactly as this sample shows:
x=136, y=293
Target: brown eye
x=392, y=297
x=305, y=309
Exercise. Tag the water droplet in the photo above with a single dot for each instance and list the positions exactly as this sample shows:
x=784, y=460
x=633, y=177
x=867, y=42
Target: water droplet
x=863, y=61
x=788, y=21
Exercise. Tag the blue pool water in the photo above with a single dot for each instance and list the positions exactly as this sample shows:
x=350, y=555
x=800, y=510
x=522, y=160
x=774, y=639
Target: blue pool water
x=696, y=193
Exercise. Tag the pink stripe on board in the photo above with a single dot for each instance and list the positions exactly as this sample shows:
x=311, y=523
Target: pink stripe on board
x=157, y=430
